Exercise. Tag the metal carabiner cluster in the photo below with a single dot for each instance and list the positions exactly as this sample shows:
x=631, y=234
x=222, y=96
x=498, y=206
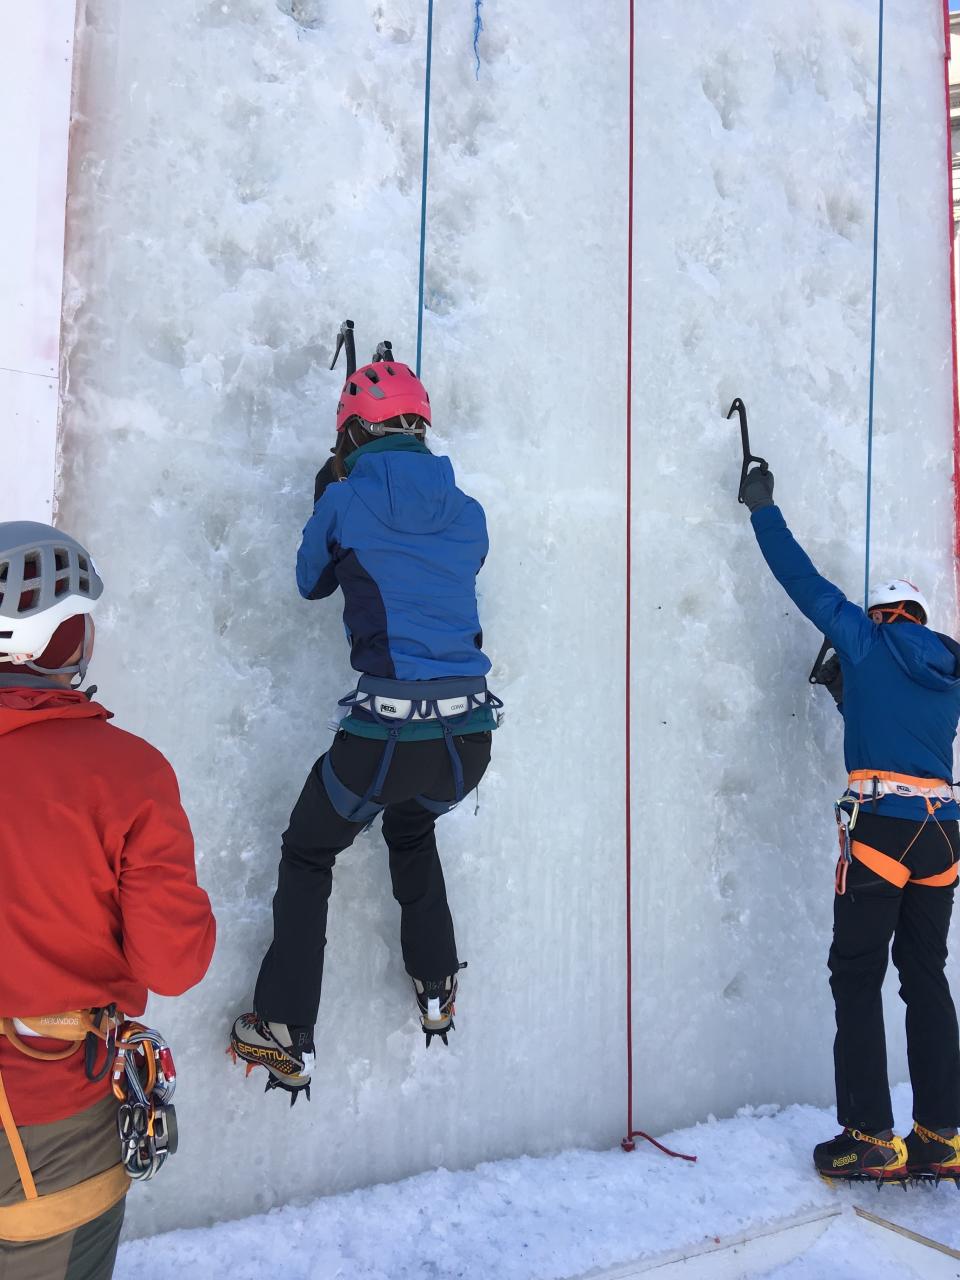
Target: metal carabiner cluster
x=144, y=1080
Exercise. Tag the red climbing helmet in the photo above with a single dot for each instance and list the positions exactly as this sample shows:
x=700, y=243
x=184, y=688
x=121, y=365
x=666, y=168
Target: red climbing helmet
x=380, y=390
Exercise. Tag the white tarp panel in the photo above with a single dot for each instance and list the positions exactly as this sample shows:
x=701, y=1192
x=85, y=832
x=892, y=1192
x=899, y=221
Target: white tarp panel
x=36, y=60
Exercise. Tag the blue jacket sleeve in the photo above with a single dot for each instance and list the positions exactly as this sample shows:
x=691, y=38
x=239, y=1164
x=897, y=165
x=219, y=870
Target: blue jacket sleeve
x=315, y=572
x=844, y=624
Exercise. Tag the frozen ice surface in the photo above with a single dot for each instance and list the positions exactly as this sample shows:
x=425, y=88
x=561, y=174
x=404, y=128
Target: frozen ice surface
x=246, y=174
x=563, y=1215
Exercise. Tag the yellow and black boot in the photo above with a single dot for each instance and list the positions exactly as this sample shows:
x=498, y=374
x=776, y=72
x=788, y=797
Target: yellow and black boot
x=285, y=1051
x=933, y=1154
x=855, y=1156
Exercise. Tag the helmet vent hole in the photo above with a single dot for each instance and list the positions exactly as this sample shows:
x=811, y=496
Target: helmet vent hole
x=371, y=375
x=3, y=571
x=392, y=372
x=28, y=600
x=6, y=635
x=84, y=582
x=63, y=584
x=353, y=389
x=31, y=565
x=61, y=559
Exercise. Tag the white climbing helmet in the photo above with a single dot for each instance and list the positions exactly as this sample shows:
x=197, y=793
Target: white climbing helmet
x=45, y=577
x=891, y=591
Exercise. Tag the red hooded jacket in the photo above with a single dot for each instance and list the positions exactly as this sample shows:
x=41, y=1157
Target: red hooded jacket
x=99, y=899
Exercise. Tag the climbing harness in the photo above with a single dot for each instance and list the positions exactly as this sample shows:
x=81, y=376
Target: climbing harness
x=144, y=1080
x=868, y=787
x=739, y=408
x=395, y=704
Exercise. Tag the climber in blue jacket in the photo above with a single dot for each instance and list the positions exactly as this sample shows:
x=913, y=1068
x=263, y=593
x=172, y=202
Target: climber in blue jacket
x=898, y=689
x=393, y=532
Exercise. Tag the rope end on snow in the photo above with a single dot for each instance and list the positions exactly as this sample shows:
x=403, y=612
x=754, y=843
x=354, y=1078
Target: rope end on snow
x=628, y=1144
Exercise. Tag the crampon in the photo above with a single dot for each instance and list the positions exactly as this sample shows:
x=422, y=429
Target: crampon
x=144, y=1080
x=285, y=1052
x=436, y=1002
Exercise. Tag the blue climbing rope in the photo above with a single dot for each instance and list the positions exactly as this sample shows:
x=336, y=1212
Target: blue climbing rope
x=873, y=313
x=477, y=28
x=423, y=192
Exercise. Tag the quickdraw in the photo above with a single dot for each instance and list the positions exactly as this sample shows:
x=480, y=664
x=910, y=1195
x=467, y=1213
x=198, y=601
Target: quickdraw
x=144, y=1080
x=846, y=821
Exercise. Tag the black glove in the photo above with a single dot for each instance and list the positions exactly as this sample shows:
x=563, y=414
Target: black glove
x=831, y=677
x=758, y=489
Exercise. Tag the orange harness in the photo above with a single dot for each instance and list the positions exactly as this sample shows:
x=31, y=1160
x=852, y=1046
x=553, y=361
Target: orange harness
x=933, y=791
x=39, y=1217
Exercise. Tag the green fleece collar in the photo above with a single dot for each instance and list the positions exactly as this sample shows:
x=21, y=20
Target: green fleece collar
x=385, y=443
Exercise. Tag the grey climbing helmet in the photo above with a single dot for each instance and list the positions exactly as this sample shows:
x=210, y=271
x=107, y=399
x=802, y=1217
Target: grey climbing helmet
x=45, y=577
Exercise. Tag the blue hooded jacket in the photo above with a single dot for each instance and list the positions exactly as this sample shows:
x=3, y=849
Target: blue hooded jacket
x=405, y=545
x=901, y=682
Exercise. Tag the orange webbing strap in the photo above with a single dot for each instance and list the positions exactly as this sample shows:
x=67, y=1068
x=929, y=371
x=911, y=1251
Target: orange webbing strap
x=939, y=881
x=16, y=1145
x=63, y=1211
x=886, y=868
x=922, y=784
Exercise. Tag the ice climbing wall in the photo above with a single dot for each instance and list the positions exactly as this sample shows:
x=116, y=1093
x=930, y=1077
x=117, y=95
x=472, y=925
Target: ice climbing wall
x=246, y=174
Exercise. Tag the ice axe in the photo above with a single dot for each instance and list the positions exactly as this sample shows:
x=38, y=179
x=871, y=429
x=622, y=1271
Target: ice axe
x=345, y=339
x=740, y=409
x=816, y=672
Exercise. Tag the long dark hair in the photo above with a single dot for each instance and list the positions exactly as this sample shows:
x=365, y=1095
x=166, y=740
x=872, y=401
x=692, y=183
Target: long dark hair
x=354, y=436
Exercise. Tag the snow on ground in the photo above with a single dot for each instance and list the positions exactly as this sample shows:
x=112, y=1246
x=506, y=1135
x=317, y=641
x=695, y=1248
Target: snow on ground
x=559, y=1216
x=245, y=174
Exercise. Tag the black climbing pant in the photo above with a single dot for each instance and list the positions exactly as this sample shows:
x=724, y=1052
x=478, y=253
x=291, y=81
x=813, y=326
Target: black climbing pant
x=288, y=988
x=900, y=887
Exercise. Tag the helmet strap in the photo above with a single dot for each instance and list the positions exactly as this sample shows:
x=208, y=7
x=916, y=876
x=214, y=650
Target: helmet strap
x=77, y=670
x=891, y=612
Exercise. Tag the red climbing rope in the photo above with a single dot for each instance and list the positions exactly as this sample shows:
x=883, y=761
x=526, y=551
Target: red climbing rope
x=628, y=1143
x=955, y=408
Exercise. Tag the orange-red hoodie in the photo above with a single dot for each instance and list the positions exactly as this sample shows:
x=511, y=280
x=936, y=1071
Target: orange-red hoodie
x=99, y=899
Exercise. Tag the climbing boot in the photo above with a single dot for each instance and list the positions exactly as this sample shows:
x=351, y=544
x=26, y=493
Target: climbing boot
x=285, y=1051
x=435, y=1001
x=933, y=1154
x=855, y=1156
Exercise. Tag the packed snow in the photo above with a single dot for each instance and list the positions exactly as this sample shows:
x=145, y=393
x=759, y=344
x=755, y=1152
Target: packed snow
x=560, y=1216
x=245, y=174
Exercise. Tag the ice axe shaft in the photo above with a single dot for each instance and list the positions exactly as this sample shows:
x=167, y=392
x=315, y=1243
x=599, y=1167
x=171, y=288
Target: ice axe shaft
x=740, y=409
